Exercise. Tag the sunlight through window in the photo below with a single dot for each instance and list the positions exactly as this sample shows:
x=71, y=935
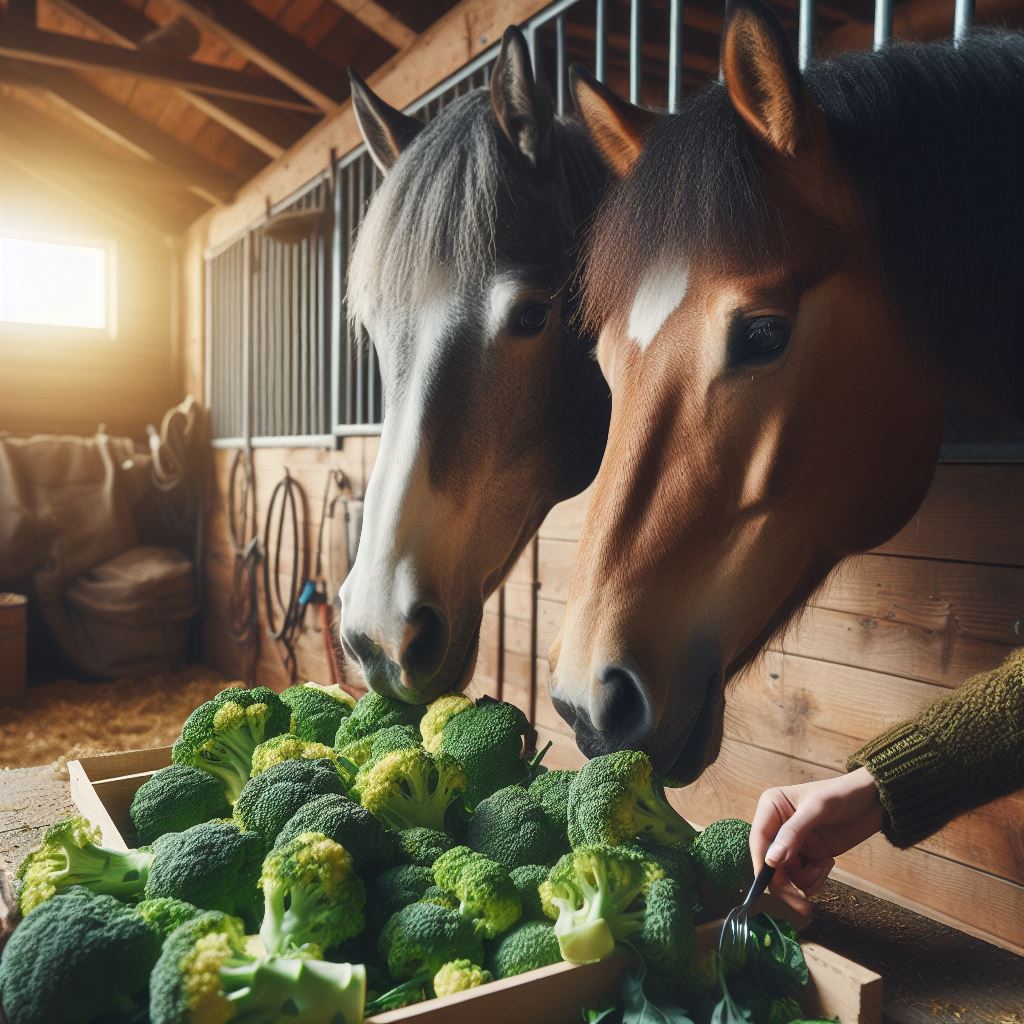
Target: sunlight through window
x=56, y=284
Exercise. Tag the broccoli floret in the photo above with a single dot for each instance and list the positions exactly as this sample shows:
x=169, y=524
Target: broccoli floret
x=459, y=976
x=288, y=746
x=164, y=914
x=422, y=846
x=410, y=788
x=438, y=712
x=488, y=741
x=528, y=879
x=721, y=857
x=551, y=791
x=440, y=897
x=668, y=936
x=270, y=799
x=373, y=712
x=205, y=976
x=213, y=865
x=699, y=977
x=394, y=737
x=71, y=854
x=528, y=946
x=311, y=895
x=357, y=752
x=396, y=888
x=75, y=958
x=317, y=711
x=597, y=894
x=774, y=1010
x=175, y=798
x=677, y=864
x=483, y=888
x=419, y=939
x=220, y=735
x=370, y=844
x=510, y=827
x=616, y=799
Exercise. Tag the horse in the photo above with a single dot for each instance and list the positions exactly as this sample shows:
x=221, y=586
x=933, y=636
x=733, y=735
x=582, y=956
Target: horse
x=789, y=277
x=464, y=275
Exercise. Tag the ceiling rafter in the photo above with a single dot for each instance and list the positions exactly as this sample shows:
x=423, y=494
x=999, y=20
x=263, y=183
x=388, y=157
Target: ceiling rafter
x=269, y=131
x=68, y=51
x=380, y=21
x=268, y=46
x=117, y=122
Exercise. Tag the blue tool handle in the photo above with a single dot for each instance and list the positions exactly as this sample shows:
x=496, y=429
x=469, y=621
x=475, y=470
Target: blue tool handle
x=306, y=594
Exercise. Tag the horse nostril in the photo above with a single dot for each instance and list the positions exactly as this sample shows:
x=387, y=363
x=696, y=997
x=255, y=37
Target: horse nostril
x=358, y=645
x=619, y=706
x=426, y=642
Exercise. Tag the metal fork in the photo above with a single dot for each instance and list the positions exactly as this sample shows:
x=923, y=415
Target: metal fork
x=732, y=940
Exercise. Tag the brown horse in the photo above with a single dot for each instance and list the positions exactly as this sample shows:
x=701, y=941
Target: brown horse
x=790, y=278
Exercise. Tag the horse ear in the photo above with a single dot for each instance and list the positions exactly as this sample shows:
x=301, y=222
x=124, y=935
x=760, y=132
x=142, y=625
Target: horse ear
x=616, y=127
x=522, y=108
x=385, y=131
x=763, y=79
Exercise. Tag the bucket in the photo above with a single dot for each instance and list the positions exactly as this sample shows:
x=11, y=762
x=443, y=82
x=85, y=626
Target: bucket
x=13, y=647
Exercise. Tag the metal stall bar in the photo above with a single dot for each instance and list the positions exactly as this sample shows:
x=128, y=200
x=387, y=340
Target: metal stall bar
x=560, y=68
x=675, y=54
x=963, y=18
x=360, y=380
x=601, y=40
x=636, y=50
x=335, y=291
x=371, y=354
x=805, y=45
x=883, y=23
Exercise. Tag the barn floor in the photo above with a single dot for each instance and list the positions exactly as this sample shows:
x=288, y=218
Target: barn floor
x=67, y=718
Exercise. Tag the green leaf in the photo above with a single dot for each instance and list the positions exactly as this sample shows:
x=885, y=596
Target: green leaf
x=609, y=1015
x=726, y=1010
x=644, y=1003
x=777, y=950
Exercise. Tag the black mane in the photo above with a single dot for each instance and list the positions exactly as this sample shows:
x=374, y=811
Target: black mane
x=932, y=136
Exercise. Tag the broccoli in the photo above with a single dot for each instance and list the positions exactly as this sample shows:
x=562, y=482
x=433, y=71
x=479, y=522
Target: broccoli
x=311, y=895
x=287, y=747
x=371, y=845
x=394, y=737
x=551, y=791
x=374, y=711
x=410, y=788
x=165, y=913
x=317, y=711
x=420, y=938
x=668, y=937
x=422, y=846
x=459, y=976
x=357, y=752
x=483, y=888
x=71, y=854
x=432, y=724
x=721, y=856
x=269, y=799
x=396, y=888
x=766, y=1009
x=510, y=827
x=528, y=946
x=528, y=879
x=488, y=741
x=213, y=865
x=440, y=897
x=677, y=863
x=615, y=799
x=220, y=735
x=76, y=958
x=205, y=976
x=596, y=893
x=175, y=798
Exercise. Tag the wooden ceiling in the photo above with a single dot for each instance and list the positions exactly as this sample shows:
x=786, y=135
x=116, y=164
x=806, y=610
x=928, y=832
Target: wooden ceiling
x=155, y=109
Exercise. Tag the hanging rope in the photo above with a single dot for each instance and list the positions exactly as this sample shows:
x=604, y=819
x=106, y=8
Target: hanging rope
x=283, y=589
x=244, y=607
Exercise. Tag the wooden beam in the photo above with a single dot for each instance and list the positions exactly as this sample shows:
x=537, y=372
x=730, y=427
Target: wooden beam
x=269, y=131
x=269, y=47
x=67, y=51
x=380, y=21
x=23, y=11
x=103, y=114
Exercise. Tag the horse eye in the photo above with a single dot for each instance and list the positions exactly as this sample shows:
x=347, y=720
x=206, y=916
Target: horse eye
x=766, y=337
x=533, y=318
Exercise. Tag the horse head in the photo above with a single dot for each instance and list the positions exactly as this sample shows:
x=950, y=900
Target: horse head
x=464, y=278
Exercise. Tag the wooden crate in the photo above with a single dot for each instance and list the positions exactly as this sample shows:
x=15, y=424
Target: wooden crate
x=103, y=786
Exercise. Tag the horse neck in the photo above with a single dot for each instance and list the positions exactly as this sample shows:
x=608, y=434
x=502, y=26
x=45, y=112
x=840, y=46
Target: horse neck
x=933, y=137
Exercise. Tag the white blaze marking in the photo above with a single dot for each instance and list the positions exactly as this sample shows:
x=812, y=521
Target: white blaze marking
x=503, y=294
x=659, y=295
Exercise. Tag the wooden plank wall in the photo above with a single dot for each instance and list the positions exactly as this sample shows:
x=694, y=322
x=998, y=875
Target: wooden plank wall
x=893, y=631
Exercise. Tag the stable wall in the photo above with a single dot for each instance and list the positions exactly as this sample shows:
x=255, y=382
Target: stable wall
x=70, y=383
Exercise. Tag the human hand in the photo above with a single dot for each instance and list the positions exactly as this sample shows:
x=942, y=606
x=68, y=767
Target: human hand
x=802, y=829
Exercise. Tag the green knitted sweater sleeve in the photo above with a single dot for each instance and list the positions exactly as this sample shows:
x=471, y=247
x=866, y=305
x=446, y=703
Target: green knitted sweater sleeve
x=961, y=752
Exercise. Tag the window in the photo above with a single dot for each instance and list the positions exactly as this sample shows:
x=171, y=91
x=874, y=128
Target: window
x=52, y=283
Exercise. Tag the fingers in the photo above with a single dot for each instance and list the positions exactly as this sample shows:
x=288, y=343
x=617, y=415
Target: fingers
x=789, y=841
x=783, y=887
x=773, y=808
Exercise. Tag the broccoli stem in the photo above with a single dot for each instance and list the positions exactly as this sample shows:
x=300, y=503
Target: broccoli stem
x=658, y=820
x=412, y=991
x=299, y=990
x=106, y=872
x=286, y=928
